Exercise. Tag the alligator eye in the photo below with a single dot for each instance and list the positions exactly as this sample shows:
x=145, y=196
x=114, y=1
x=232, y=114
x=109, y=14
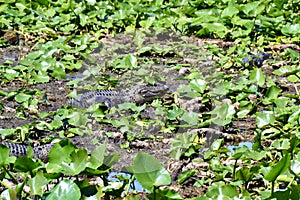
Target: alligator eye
x=143, y=92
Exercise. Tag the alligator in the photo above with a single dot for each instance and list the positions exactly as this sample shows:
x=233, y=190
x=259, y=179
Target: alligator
x=136, y=94
x=18, y=150
x=110, y=98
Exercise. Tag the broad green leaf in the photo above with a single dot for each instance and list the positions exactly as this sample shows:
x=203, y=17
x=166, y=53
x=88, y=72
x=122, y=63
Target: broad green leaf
x=264, y=118
x=230, y=11
x=292, y=118
x=216, y=144
x=34, y=55
x=97, y=157
x=278, y=169
x=50, y=12
x=293, y=54
x=59, y=72
x=37, y=184
x=222, y=192
x=257, y=76
x=9, y=194
x=78, y=118
x=77, y=164
x=174, y=113
x=293, y=78
x=10, y=74
x=295, y=166
x=286, y=70
x=244, y=174
x=7, y=132
x=25, y=164
x=131, y=61
x=256, y=155
x=40, y=77
x=65, y=189
x=149, y=172
x=199, y=85
x=20, y=98
x=60, y=154
x=291, y=29
x=190, y=117
x=223, y=115
x=273, y=92
x=217, y=28
x=253, y=8
x=281, y=144
x=4, y=155
x=111, y=159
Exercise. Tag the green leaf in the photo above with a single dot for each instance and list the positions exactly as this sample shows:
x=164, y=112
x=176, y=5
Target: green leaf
x=40, y=77
x=244, y=174
x=77, y=164
x=37, y=184
x=186, y=174
x=293, y=54
x=59, y=72
x=256, y=155
x=273, y=92
x=230, y=11
x=10, y=74
x=111, y=159
x=4, y=155
x=59, y=154
x=199, y=85
x=279, y=168
x=257, y=76
x=217, y=28
x=78, y=118
x=264, y=118
x=164, y=194
x=291, y=29
x=286, y=70
x=50, y=12
x=20, y=98
x=10, y=194
x=190, y=117
x=222, y=192
x=253, y=8
x=223, y=115
x=25, y=164
x=130, y=61
x=295, y=166
x=149, y=172
x=97, y=157
x=65, y=189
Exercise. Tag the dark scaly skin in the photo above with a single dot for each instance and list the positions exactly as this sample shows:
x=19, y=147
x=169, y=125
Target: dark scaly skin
x=18, y=150
x=110, y=98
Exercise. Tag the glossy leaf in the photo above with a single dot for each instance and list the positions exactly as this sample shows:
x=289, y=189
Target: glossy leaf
x=65, y=189
x=257, y=76
x=264, y=118
x=37, y=184
x=199, y=85
x=97, y=157
x=278, y=169
x=25, y=164
x=149, y=172
x=77, y=164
